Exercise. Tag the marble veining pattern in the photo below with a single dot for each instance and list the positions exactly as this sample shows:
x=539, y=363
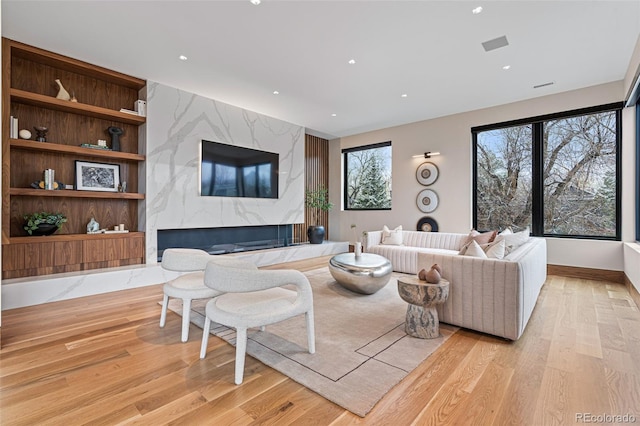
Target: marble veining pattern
x=177, y=121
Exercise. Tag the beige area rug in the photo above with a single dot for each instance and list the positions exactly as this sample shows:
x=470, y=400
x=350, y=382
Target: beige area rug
x=362, y=350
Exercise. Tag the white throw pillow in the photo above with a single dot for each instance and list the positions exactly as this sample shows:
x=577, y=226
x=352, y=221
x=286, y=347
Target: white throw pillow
x=475, y=250
x=514, y=240
x=392, y=238
x=495, y=250
x=507, y=231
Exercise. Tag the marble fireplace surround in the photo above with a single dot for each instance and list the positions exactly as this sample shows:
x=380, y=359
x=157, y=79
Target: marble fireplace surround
x=177, y=122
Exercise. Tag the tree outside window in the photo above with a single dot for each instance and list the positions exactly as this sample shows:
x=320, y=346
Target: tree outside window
x=558, y=176
x=367, y=172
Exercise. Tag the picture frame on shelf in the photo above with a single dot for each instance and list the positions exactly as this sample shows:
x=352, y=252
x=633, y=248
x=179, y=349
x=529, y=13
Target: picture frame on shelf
x=92, y=176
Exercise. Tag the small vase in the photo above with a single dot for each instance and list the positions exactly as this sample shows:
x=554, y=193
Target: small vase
x=92, y=226
x=115, y=133
x=62, y=93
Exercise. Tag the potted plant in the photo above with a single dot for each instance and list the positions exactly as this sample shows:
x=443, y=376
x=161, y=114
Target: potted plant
x=43, y=223
x=317, y=200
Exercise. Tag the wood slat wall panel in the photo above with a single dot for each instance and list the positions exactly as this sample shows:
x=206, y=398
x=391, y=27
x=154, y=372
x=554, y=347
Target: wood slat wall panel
x=316, y=155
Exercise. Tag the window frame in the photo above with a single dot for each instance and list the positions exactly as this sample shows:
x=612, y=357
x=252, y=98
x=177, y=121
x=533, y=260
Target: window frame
x=345, y=170
x=537, y=162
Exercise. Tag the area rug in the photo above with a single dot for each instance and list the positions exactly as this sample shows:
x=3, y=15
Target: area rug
x=362, y=350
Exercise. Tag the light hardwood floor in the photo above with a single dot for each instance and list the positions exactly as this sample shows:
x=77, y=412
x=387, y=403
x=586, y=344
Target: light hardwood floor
x=103, y=360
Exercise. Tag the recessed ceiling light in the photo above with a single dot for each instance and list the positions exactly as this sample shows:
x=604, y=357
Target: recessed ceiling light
x=334, y=115
x=183, y=58
x=255, y=2
x=477, y=10
x=352, y=61
x=404, y=95
x=275, y=92
x=506, y=67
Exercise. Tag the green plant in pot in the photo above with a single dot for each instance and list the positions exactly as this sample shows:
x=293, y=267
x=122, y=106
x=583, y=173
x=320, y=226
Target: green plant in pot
x=317, y=200
x=43, y=223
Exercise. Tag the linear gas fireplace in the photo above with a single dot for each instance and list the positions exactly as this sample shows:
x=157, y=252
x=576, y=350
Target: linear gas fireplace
x=226, y=239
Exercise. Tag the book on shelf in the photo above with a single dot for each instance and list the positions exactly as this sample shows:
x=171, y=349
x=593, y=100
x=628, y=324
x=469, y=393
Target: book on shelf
x=94, y=146
x=13, y=127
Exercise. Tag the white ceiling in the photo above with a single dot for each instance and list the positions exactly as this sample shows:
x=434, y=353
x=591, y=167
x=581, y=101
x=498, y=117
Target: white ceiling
x=431, y=50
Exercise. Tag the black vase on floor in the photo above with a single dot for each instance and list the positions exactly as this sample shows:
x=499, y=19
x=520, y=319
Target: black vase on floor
x=315, y=234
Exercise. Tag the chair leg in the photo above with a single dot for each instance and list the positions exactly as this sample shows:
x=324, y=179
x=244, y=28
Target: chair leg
x=205, y=337
x=311, y=333
x=163, y=313
x=186, y=312
x=241, y=349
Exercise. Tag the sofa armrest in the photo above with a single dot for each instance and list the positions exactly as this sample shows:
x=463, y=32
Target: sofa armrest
x=373, y=238
x=490, y=295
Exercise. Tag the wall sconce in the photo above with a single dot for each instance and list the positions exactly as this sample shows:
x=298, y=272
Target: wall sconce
x=427, y=154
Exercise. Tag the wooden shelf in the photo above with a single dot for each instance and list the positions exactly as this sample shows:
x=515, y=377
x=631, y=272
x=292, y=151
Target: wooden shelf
x=38, y=100
x=77, y=150
x=69, y=193
x=58, y=61
x=72, y=237
x=27, y=79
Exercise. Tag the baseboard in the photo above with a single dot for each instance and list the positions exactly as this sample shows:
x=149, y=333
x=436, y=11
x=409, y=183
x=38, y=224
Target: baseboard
x=633, y=291
x=587, y=273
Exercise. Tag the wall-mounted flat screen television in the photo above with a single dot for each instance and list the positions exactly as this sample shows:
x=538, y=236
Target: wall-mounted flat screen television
x=234, y=171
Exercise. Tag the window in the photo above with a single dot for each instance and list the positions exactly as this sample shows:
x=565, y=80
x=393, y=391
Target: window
x=557, y=175
x=367, y=177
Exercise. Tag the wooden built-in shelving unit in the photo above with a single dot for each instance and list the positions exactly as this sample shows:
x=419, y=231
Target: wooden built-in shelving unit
x=29, y=93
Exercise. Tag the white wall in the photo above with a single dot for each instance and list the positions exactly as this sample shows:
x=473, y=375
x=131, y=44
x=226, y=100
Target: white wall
x=631, y=249
x=177, y=121
x=451, y=136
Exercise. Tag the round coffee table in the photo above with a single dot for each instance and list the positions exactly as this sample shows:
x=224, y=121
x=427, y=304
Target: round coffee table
x=364, y=274
x=422, y=317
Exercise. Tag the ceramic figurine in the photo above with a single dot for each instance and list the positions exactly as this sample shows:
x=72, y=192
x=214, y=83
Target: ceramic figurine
x=422, y=275
x=115, y=133
x=73, y=97
x=62, y=92
x=41, y=133
x=93, y=226
x=432, y=276
x=24, y=134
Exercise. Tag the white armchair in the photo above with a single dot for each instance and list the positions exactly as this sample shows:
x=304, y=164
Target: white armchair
x=255, y=298
x=187, y=286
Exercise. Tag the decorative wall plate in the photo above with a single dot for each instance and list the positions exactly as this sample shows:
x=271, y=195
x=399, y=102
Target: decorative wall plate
x=427, y=173
x=427, y=201
x=427, y=224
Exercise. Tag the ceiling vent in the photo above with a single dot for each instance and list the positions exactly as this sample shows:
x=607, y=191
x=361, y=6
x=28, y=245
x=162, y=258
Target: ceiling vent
x=494, y=44
x=537, y=86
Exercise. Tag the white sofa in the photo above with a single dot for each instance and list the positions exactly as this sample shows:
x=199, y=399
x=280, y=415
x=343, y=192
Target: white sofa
x=488, y=295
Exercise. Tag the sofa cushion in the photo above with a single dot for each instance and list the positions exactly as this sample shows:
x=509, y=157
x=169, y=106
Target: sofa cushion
x=514, y=240
x=480, y=238
x=390, y=237
x=475, y=250
x=495, y=250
